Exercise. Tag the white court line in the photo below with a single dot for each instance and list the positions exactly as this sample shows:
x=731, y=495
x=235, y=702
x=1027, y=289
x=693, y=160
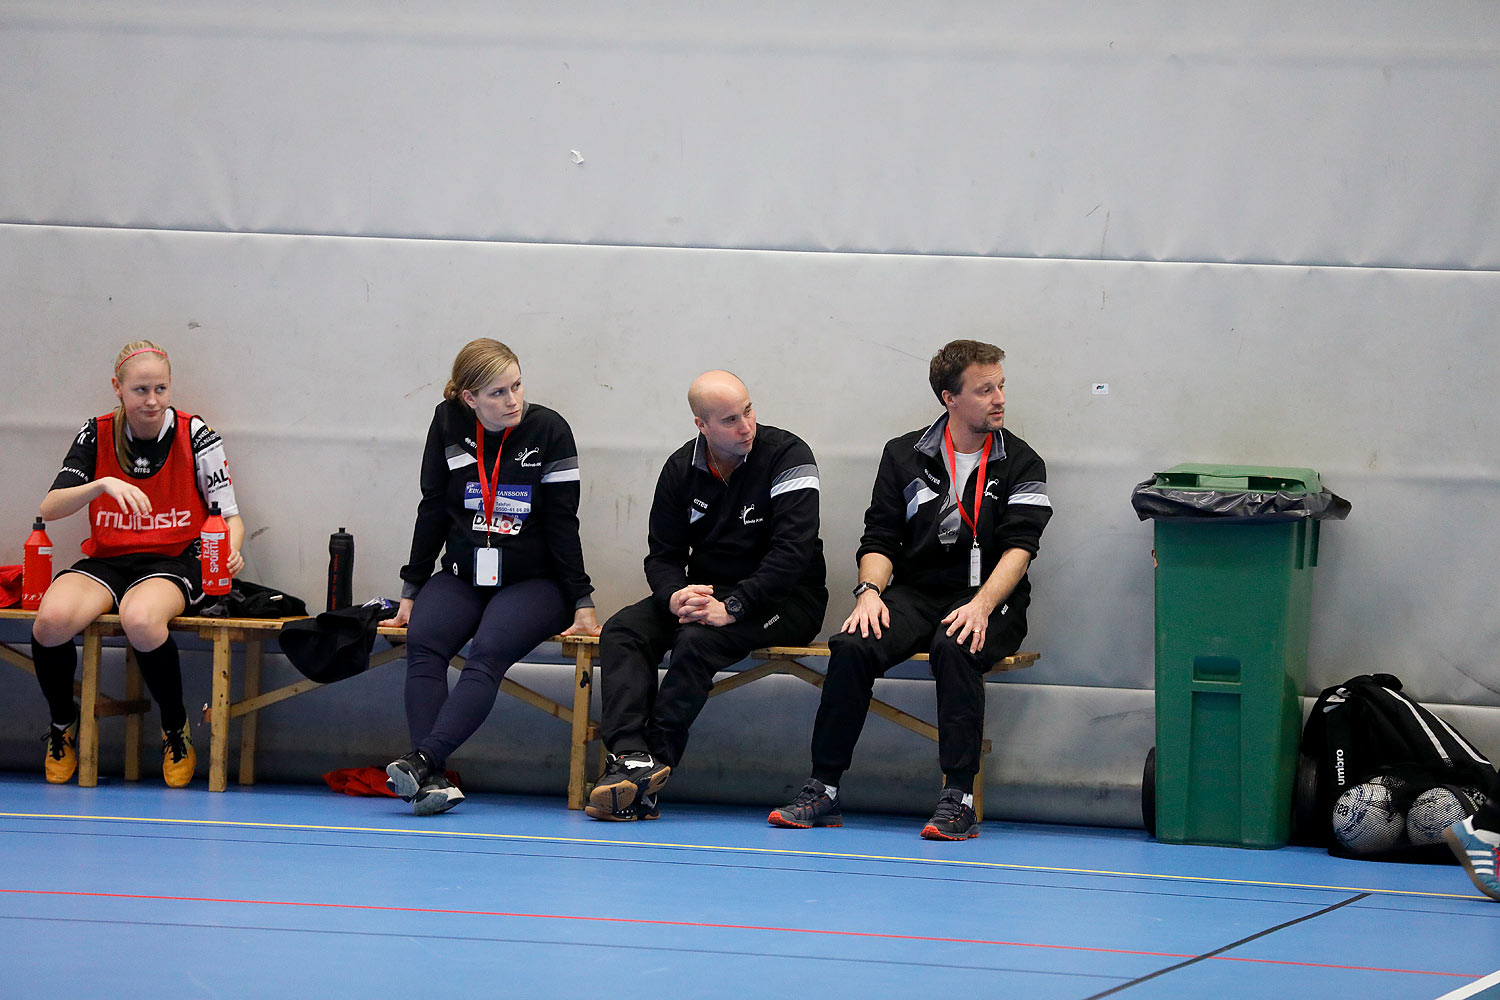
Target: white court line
x=1489, y=986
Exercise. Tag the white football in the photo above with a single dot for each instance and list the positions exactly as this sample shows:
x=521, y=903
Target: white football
x=1365, y=819
x=1432, y=812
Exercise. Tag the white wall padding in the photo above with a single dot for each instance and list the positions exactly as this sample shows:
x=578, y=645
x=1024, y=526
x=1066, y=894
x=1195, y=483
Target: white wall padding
x=1168, y=130
x=1269, y=229
x=320, y=360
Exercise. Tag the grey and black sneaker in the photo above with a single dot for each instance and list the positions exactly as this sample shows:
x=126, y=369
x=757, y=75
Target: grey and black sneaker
x=811, y=807
x=437, y=795
x=626, y=777
x=406, y=775
x=644, y=807
x=952, y=820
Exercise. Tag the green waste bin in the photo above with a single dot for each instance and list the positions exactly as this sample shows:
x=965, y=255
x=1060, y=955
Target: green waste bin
x=1235, y=548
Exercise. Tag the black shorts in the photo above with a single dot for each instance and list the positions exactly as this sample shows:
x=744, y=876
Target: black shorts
x=119, y=573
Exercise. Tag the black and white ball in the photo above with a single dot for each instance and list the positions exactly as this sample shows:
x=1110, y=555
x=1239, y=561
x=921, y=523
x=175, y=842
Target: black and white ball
x=1366, y=821
x=1434, y=811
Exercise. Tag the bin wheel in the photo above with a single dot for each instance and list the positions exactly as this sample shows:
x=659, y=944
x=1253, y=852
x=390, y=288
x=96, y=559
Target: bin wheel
x=1306, y=828
x=1148, y=793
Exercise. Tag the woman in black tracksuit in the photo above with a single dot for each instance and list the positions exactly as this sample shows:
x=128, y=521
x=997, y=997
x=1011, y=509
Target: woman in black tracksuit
x=500, y=490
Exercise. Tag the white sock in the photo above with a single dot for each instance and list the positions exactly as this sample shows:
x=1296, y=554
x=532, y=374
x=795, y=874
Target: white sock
x=969, y=799
x=62, y=728
x=832, y=791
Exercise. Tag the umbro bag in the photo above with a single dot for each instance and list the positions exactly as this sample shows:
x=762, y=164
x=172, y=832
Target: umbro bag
x=1367, y=726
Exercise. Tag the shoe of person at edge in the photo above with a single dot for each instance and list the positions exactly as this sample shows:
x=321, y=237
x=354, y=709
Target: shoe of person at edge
x=178, y=759
x=952, y=820
x=437, y=795
x=812, y=807
x=62, y=753
x=1478, y=850
x=626, y=777
x=406, y=775
x=644, y=807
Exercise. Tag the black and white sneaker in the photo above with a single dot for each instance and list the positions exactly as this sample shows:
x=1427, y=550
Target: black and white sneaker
x=626, y=777
x=644, y=807
x=952, y=820
x=406, y=775
x=437, y=795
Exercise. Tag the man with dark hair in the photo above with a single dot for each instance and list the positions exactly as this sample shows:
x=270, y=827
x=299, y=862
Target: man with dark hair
x=953, y=523
x=735, y=564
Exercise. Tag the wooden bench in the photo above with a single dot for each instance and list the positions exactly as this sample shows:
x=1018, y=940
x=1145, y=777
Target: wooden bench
x=224, y=634
x=788, y=660
x=251, y=634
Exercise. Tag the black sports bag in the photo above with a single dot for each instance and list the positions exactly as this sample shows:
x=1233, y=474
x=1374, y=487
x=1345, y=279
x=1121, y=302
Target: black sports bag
x=1366, y=727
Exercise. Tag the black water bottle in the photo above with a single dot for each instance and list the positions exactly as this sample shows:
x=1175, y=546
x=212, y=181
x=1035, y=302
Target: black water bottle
x=340, y=570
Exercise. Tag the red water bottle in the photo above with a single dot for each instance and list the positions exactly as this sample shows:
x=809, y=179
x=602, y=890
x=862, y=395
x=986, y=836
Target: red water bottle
x=213, y=552
x=36, y=567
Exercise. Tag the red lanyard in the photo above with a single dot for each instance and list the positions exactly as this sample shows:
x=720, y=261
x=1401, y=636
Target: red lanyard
x=984, y=460
x=487, y=493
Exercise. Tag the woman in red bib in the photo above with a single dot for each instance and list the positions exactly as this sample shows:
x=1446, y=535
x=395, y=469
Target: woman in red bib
x=147, y=474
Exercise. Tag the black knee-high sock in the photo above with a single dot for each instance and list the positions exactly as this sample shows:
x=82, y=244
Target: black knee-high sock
x=55, y=666
x=162, y=672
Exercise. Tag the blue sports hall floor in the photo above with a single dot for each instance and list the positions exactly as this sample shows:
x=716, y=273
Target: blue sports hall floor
x=132, y=890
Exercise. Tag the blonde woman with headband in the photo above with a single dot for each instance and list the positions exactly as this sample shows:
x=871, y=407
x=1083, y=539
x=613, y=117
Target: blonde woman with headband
x=147, y=474
x=500, y=488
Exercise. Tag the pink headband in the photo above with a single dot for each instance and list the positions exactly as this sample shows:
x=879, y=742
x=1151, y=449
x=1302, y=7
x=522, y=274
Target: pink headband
x=143, y=350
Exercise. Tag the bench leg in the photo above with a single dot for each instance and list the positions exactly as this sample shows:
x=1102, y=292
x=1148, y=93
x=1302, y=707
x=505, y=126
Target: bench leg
x=134, y=691
x=88, y=723
x=979, y=792
x=254, y=648
x=583, y=686
x=218, y=716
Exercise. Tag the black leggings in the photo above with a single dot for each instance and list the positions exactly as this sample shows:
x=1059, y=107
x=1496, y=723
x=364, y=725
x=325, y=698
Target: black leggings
x=504, y=624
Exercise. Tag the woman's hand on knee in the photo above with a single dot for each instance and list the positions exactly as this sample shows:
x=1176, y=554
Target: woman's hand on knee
x=585, y=622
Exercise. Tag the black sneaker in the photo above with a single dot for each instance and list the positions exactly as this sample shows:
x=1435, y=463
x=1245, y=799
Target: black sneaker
x=437, y=795
x=644, y=807
x=952, y=820
x=811, y=807
x=406, y=775
x=626, y=777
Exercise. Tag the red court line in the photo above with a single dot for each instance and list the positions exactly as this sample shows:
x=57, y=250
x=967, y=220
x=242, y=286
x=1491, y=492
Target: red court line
x=713, y=926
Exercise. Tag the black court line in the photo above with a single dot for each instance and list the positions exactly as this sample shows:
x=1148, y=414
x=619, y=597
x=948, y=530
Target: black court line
x=633, y=946
x=1227, y=947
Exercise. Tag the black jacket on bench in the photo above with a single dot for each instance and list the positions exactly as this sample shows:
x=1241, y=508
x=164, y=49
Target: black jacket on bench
x=540, y=456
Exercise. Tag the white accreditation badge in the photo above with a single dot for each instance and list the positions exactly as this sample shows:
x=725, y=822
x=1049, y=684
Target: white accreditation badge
x=974, y=565
x=486, y=567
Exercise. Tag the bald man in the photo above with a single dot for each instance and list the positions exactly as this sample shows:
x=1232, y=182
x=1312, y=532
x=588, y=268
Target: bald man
x=734, y=564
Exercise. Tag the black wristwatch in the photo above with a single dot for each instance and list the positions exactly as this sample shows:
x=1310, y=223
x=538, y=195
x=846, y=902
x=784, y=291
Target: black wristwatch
x=734, y=607
x=864, y=586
